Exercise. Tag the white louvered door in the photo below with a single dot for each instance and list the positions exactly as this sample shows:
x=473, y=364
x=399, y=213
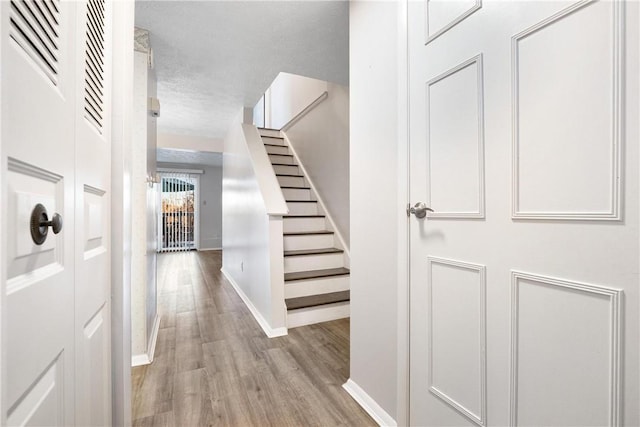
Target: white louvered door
x=92, y=231
x=55, y=152
x=38, y=100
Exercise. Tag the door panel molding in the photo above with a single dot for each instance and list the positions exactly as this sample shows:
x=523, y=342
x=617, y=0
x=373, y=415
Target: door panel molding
x=464, y=15
x=455, y=403
x=614, y=351
x=441, y=212
x=611, y=212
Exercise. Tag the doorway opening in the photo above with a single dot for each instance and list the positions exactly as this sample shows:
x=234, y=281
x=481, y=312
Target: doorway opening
x=178, y=222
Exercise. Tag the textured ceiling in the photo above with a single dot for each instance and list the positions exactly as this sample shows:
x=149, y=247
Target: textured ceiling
x=214, y=57
x=187, y=157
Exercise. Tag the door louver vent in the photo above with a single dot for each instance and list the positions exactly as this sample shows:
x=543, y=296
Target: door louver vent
x=34, y=25
x=94, y=64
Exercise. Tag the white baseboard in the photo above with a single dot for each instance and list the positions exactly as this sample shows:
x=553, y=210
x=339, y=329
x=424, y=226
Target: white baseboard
x=268, y=330
x=378, y=414
x=147, y=358
x=209, y=249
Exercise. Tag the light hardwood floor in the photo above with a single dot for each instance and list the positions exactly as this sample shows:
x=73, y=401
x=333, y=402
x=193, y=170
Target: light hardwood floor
x=214, y=366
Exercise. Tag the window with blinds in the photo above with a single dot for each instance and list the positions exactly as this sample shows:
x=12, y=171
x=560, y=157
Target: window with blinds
x=178, y=212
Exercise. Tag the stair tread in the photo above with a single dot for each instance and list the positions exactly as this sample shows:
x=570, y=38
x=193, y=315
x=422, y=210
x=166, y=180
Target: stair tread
x=290, y=174
x=274, y=137
x=313, y=252
x=295, y=188
x=283, y=164
x=303, y=233
x=314, y=274
x=264, y=128
x=316, y=300
x=304, y=216
x=274, y=145
x=274, y=154
x=301, y=201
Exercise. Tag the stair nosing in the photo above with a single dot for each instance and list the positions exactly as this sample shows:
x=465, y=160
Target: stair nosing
x=288, y=174
x=304, y=216
x=307, y=233
x=318, y=274
x=283, y=164
x=344, y=296
x=323, y=251
x=273, y=154
x=296, y=188
x=301, y=201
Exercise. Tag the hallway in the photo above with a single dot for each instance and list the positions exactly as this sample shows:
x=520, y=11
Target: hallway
x=213, y=364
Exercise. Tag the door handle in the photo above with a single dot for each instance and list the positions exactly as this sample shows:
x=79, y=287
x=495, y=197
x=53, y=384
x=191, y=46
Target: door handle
x=419, y=210
x=40, y=224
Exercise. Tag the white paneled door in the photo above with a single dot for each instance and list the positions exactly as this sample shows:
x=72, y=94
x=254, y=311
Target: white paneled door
x=524, y=279
x=55, y=70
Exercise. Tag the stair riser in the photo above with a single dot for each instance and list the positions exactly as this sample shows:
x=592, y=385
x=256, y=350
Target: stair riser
x=323, y=313
x=312, y=262
x=269, y=132
x=296, y=194
x=277, y=150
x=267, y=139
x=303, y=224
x=302, y=208
x=310, y=241
x=290, y=170
x=304, y=288
x=276, y=158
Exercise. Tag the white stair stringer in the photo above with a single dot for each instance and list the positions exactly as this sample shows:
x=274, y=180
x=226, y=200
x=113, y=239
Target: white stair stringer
x=313, y=246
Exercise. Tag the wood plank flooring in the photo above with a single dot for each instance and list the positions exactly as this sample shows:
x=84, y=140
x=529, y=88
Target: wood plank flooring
x=214, y=366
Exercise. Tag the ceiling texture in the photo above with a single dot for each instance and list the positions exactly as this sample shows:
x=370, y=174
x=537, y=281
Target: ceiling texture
x=213, y=58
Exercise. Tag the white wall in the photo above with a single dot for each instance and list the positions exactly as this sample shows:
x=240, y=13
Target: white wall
x=374, y=199
x=249, y=233
x=143, y=208
x=288, y=95
x=210, y=205
x=321, y=140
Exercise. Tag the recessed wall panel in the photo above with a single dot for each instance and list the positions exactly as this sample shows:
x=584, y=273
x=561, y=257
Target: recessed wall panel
x=455, y=141
x=457, y=336
x=442, y=15
x=567, y=122
x=565, y=352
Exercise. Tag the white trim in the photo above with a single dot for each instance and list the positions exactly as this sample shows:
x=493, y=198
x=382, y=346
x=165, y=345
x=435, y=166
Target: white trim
x=210, y=249
x=151, y=349
x=140, y=360
x=147, y=358
x=404, y=273
x=268, y=330
x=367, y=403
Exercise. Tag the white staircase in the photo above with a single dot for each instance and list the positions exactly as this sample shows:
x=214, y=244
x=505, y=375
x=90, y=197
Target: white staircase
x=315, y=275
